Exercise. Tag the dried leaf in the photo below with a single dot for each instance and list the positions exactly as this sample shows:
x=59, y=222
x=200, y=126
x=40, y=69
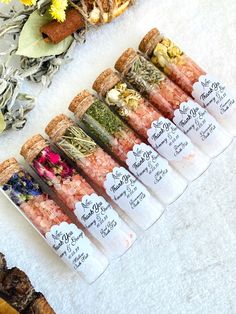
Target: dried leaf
x=2, y=123
x=14, y=105
x=31, y=42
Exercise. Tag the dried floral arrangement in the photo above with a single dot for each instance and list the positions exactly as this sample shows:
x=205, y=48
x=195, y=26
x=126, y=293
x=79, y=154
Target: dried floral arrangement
x=17, y=295
x=41, y=36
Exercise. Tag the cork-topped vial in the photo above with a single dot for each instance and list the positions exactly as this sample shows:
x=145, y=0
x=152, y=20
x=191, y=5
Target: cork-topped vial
x=166, y=97
x=141, y=159
x=64, y=237
x=208, y=91
x=118, y=183
x=91, y=209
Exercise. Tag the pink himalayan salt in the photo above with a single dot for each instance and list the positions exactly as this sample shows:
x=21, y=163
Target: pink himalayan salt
x=124, y=143
x=40, y=209
x=185, y=73
x=72, y=190
x=141, y=118
x=97, y=166
x=167, y=97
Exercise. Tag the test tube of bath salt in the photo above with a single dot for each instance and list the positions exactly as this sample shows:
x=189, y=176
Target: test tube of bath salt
x=92, y=210
x=146, y=120
x=64, y=237
x=207, y=90
x=115, y=181
x=142, y=160
x=202, y=128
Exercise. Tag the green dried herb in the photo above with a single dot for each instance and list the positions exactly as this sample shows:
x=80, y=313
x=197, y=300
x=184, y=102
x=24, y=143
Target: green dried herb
x=102, y=122
x=143, y=75
x=77, y=144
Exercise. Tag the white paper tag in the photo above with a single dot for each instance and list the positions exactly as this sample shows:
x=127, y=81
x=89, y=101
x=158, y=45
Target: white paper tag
x=196, y=122
x=169, y=141
x=71, y=244
x=97, y=215
x=214, y=96
x=148, y=165
x=126, y=190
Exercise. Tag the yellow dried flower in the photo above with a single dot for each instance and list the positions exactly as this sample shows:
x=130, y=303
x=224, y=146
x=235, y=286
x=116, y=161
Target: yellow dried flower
x=57, y=10
x=160, y=50
x=28, y=2
x=5, y=1
x=166, y=42
x=175, y=52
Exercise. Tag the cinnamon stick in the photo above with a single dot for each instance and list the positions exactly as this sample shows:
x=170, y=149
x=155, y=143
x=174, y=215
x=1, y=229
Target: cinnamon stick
x=54, y=32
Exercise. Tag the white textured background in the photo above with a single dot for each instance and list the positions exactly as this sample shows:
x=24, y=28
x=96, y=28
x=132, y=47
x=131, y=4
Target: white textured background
x=186, y=263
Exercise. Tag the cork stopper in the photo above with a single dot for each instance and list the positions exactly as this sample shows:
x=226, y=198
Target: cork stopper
x=7, y=169
x=33, y=147
x=106, y=81
x=149, y=41
x=81, y=103
x=57, y=127
x=125, y=61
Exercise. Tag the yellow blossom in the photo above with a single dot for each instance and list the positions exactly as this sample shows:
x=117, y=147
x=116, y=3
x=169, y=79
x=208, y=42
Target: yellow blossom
x=166, y=42
x=28, y=2
x=57, y=10
x=5, y=1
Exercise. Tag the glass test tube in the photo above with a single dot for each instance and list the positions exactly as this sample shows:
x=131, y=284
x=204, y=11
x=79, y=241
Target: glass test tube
x=66, y=239
x=207, y=90
x=92, y=210
x=118, y=183
x=160, y=132
x=174, y=103
x=142, y=160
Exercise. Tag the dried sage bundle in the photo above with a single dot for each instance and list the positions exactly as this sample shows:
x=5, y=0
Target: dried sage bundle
x=40, y=61
x=13, y=104
x=42, y=69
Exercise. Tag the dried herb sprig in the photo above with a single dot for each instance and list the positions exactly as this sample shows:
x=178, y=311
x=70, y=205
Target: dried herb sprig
x=144, y=75
x=77, y=143
x=13, y=104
